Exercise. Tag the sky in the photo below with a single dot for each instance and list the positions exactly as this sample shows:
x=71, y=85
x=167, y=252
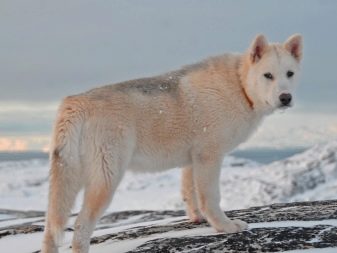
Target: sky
x=51, y=49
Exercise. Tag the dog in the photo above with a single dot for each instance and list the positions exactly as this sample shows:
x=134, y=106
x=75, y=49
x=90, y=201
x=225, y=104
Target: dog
x=188, y=118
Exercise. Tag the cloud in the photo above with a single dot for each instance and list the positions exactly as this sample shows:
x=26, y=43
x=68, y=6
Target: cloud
x=62, y=51
x=100, y=42
x=46, y=148
x=24, y=143
x=26, y=118
x=27, y=107
x=8, y=144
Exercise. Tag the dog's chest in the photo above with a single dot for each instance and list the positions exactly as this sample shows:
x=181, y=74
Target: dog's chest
x=158, y=160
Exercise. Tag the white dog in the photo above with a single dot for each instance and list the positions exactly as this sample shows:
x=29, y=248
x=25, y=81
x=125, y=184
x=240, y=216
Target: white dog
x=187, y=118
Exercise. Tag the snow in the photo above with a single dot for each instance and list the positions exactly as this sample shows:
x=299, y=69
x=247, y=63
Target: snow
x=28, y=243
x=18, y=221
x=298, y=130
x=315, y=250
x=127, y=245
x=311, y=175
x=24, y=186
x=280, y=224
x=5, y=217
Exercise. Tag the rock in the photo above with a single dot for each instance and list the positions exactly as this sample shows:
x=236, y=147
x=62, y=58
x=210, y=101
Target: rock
x=273, y=228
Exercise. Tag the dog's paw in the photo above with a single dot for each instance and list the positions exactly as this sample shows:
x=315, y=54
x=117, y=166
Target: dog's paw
x=233, y=226
x=195, y=216
x=196, y=219
x=240, y=224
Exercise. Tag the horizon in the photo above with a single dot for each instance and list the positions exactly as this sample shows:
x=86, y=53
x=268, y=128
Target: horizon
x=259, y=155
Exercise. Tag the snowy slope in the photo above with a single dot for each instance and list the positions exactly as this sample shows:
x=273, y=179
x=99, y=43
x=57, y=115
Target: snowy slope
x=311, y=175
x=24, y=186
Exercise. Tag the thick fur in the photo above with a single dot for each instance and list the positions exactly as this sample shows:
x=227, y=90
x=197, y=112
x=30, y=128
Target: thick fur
x=188, y=118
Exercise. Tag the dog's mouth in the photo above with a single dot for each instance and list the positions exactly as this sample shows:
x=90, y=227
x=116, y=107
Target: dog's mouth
x=281, y=106
x=284, y=107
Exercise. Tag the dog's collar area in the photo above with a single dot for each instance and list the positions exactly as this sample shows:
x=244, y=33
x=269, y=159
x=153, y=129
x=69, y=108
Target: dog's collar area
x=250, y=102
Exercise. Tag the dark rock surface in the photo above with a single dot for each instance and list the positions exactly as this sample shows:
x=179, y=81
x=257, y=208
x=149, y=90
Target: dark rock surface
x=256, y=240
x=274, y=228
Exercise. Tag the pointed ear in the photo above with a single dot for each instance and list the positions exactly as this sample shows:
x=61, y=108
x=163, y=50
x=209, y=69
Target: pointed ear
x=294, y=46
x=258, y=48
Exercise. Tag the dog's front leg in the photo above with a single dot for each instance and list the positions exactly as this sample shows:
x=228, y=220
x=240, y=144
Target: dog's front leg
x=189, y=196
x=206, y=176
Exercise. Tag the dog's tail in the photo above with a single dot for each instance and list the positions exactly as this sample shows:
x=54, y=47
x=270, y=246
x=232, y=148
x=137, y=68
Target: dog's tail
x=65, y=176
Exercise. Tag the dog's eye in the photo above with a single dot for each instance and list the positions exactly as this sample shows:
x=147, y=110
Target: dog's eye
x=268, y=76
x=290, y=74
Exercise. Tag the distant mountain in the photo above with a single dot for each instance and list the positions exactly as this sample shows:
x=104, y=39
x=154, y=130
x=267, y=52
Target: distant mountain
x=22, y=156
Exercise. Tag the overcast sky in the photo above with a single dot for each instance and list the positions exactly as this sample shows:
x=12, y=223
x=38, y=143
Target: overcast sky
x=50, y=49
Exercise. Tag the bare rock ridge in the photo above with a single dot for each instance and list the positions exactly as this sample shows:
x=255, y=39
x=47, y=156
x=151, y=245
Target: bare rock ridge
x=273, y=228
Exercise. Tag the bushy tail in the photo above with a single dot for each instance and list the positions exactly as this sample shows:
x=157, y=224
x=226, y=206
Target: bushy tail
x=65, y=175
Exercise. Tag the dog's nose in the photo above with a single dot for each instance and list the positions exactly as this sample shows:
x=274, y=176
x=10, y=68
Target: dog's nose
x=285, y=98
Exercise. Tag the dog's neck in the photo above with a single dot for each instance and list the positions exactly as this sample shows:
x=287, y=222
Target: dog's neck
x=255, y=105
x=243, y=72
x=248, y=99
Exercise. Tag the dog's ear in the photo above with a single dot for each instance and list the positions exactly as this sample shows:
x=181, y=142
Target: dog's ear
x=258, y=48
x=294, y=46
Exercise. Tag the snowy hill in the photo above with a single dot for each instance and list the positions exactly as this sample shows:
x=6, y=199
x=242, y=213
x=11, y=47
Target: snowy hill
x=311, y=175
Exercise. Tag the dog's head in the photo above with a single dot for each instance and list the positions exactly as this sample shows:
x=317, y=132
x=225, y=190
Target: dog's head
x=272, y=72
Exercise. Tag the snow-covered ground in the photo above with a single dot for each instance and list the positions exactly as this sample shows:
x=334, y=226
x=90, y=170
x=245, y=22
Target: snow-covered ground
x=311, y=175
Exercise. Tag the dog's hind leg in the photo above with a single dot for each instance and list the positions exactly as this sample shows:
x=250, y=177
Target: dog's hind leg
x=64, y=187
x=65, y=175
x=102, y=183
x=189, y=195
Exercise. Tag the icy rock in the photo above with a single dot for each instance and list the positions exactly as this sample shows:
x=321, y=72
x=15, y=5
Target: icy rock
x=272, y=228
